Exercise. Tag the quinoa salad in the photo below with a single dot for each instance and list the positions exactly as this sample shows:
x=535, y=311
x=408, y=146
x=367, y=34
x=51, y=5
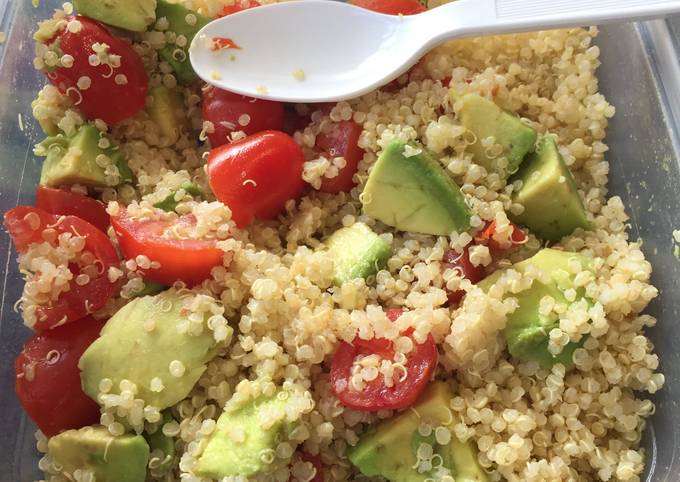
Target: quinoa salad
x=426, y=283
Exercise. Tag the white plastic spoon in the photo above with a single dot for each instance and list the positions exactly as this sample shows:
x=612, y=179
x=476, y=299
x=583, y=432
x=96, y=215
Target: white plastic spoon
x=321, y=50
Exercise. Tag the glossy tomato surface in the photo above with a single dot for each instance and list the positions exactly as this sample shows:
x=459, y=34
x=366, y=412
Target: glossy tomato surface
x=59, y=201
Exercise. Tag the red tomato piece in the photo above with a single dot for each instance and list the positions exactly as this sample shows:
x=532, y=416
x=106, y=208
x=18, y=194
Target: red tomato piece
x=48, y=378
x=420, y=364
x=391, y=7
x=393, y=313
x=224, y=43
x=58, y=201
x=238, y=6
x=462, y=263
x=26, y=224
x=319, y=467
x=188, y=260
x=225, y=109
x=341, y=141
x=114, y=93
x=255, y=176
x=517, y=237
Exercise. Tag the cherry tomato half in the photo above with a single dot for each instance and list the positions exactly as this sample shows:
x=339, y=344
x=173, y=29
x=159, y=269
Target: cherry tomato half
x=231, y=112
x=420, y=364
x=188, y=260
x=391, y=7
x=238, y=6
x=58, y=201
x=467, y=270
x=319, y=467
x=26, y=225
x=48, y=378
x=341, y=141
x=255, y=176
x=517, y=237
x=102, y=90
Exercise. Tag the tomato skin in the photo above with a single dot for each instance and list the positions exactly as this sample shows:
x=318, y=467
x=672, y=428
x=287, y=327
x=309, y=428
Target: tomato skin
x=391, y=7
x=486, y=237
x=255, y=176
x=420, y=364
x=462, y=262
x=58, y=201
x=238, y=6
x=393, y=313
x=104, y=99
x=78, y=301
x=341, y=141
x=188, y=260
x=53, y=398
x=315, y=460
x=221, y=106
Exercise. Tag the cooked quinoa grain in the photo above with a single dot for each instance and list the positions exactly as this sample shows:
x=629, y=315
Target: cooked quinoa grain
x=276, y=285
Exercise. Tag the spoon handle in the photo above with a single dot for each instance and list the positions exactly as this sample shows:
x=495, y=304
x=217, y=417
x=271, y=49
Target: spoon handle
x=465, y=18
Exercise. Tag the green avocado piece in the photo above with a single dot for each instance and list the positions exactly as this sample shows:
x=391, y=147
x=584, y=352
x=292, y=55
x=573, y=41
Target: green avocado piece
x=167, y=110
x=73, y=160
x=527, y=330
x=169, y=203
x=161, y=446
x=552, y=204
x=134, y=15
x=485, y=119
x=125, y=350
x=357, y=252
x=112, y=459
x=223, y=456
x=412, y=192
x=178, y=57
x=389, y=450
x=150, y=288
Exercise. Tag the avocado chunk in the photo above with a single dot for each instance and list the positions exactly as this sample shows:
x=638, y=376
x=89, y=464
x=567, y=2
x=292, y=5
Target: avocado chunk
x=527, y=330
x=94, y=449
x=390, y=450
x=176, y=56
x=409, y=190
x=485, y=119
x=170, y=203
x=357, y=252
x=141, y=341
x=243, y=436
x=74, y=160
x=162, y=448
x=150, y=288
x=134, y=15
x=167, y=110
x=552, y=204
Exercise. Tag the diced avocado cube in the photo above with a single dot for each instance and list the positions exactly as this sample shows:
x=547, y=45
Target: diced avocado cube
x=162, y=447
x=527, y=329
x=73, y=160
x=169, y=203
x=167, y=110
x=409, y=190
x=552, y=205
x=178, y=57
x=242, y=437
x=141, y=341
x=389, y=450
x=134, y=15
x=485, y=119
x=357, y=252
x=94, y=449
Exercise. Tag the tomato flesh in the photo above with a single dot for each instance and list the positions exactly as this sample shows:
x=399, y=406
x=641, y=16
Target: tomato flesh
x=113, y=94
x=58, y=201
x=391, y=7
x=78, y=301
x=48, y=378
x=231, y=112
x=257, y=175
x=341, y=141
x=319, y=467
x=517, y=237
x=376, y=395
x=187, y=260
x=467, y=270
x=238, y=6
